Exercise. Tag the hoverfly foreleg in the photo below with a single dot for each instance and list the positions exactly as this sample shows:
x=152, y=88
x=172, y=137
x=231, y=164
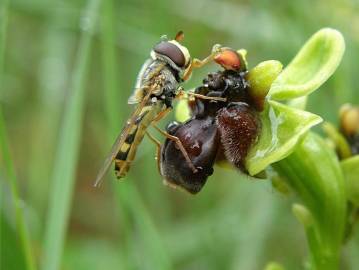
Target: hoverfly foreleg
x=197, y=63
x=180, y=146
x=158, y=149
x=207, y=97
x=182, y=94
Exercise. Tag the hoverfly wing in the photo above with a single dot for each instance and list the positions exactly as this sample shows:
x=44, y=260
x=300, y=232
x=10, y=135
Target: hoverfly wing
x=148, y=73
x=122, y=137
x=137, y=94
x=111, y=157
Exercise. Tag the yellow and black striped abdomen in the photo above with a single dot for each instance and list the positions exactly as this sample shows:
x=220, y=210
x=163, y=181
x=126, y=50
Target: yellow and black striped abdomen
x=135, y=135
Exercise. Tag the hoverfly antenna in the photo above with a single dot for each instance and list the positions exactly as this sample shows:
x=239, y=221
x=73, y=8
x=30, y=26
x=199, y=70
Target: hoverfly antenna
x=179, y=36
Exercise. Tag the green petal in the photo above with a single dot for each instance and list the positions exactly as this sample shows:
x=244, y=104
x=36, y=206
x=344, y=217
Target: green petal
x=312, y=66
x=350, y=167
x=282, y=127
x=260, y=79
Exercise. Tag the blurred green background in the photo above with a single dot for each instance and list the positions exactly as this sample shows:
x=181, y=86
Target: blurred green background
x=68, y=68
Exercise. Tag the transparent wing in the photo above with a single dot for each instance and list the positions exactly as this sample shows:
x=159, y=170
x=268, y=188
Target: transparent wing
x=121, y=139
x=149, y=72
x=138, y=91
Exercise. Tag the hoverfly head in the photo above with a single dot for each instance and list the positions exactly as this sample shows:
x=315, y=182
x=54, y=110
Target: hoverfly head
x=172, y=52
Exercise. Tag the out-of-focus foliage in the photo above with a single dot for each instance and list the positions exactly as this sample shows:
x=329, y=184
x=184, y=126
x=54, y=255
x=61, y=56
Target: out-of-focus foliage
x=234, y=223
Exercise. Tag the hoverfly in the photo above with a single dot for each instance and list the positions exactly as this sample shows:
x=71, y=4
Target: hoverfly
x=217, y=130
x=156, y=87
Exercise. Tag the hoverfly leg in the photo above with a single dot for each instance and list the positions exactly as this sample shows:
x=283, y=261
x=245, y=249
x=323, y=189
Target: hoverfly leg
x=182, y=94
x=207, y=97
x=158, y=149
x=197, y=63
x=180, y=146
x=216, y=49
x=161, y=115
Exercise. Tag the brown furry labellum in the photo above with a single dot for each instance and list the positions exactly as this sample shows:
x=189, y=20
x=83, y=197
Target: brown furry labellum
x=238, y=126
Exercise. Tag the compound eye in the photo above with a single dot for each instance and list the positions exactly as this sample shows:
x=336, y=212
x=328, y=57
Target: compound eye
x=171, y=51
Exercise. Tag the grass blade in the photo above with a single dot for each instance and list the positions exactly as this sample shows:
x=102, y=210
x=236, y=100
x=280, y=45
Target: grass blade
x=128, y=198
x=111, y=97
x=21, y=227
x=68, y=149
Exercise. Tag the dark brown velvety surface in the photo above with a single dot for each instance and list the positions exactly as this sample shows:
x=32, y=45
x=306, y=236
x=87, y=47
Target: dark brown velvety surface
x=238, y=126
x=200, y=139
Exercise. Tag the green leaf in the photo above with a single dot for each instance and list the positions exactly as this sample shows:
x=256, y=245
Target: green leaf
x=311, y=67
x=350, y=167
x=282, y=127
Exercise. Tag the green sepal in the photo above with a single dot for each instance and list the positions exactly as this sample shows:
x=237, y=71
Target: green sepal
x=281, y=129
x=311, y=67
x=298, y=103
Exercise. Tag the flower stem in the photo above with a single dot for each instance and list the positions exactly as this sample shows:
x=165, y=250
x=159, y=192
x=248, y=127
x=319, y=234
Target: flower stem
x=314, y=172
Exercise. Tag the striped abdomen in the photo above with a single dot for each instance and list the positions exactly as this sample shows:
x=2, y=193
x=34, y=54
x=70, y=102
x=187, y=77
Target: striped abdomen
x=135, y=135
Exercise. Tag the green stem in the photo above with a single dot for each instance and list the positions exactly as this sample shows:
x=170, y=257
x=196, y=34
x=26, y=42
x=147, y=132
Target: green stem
x=68, y=148
x=313, y=171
